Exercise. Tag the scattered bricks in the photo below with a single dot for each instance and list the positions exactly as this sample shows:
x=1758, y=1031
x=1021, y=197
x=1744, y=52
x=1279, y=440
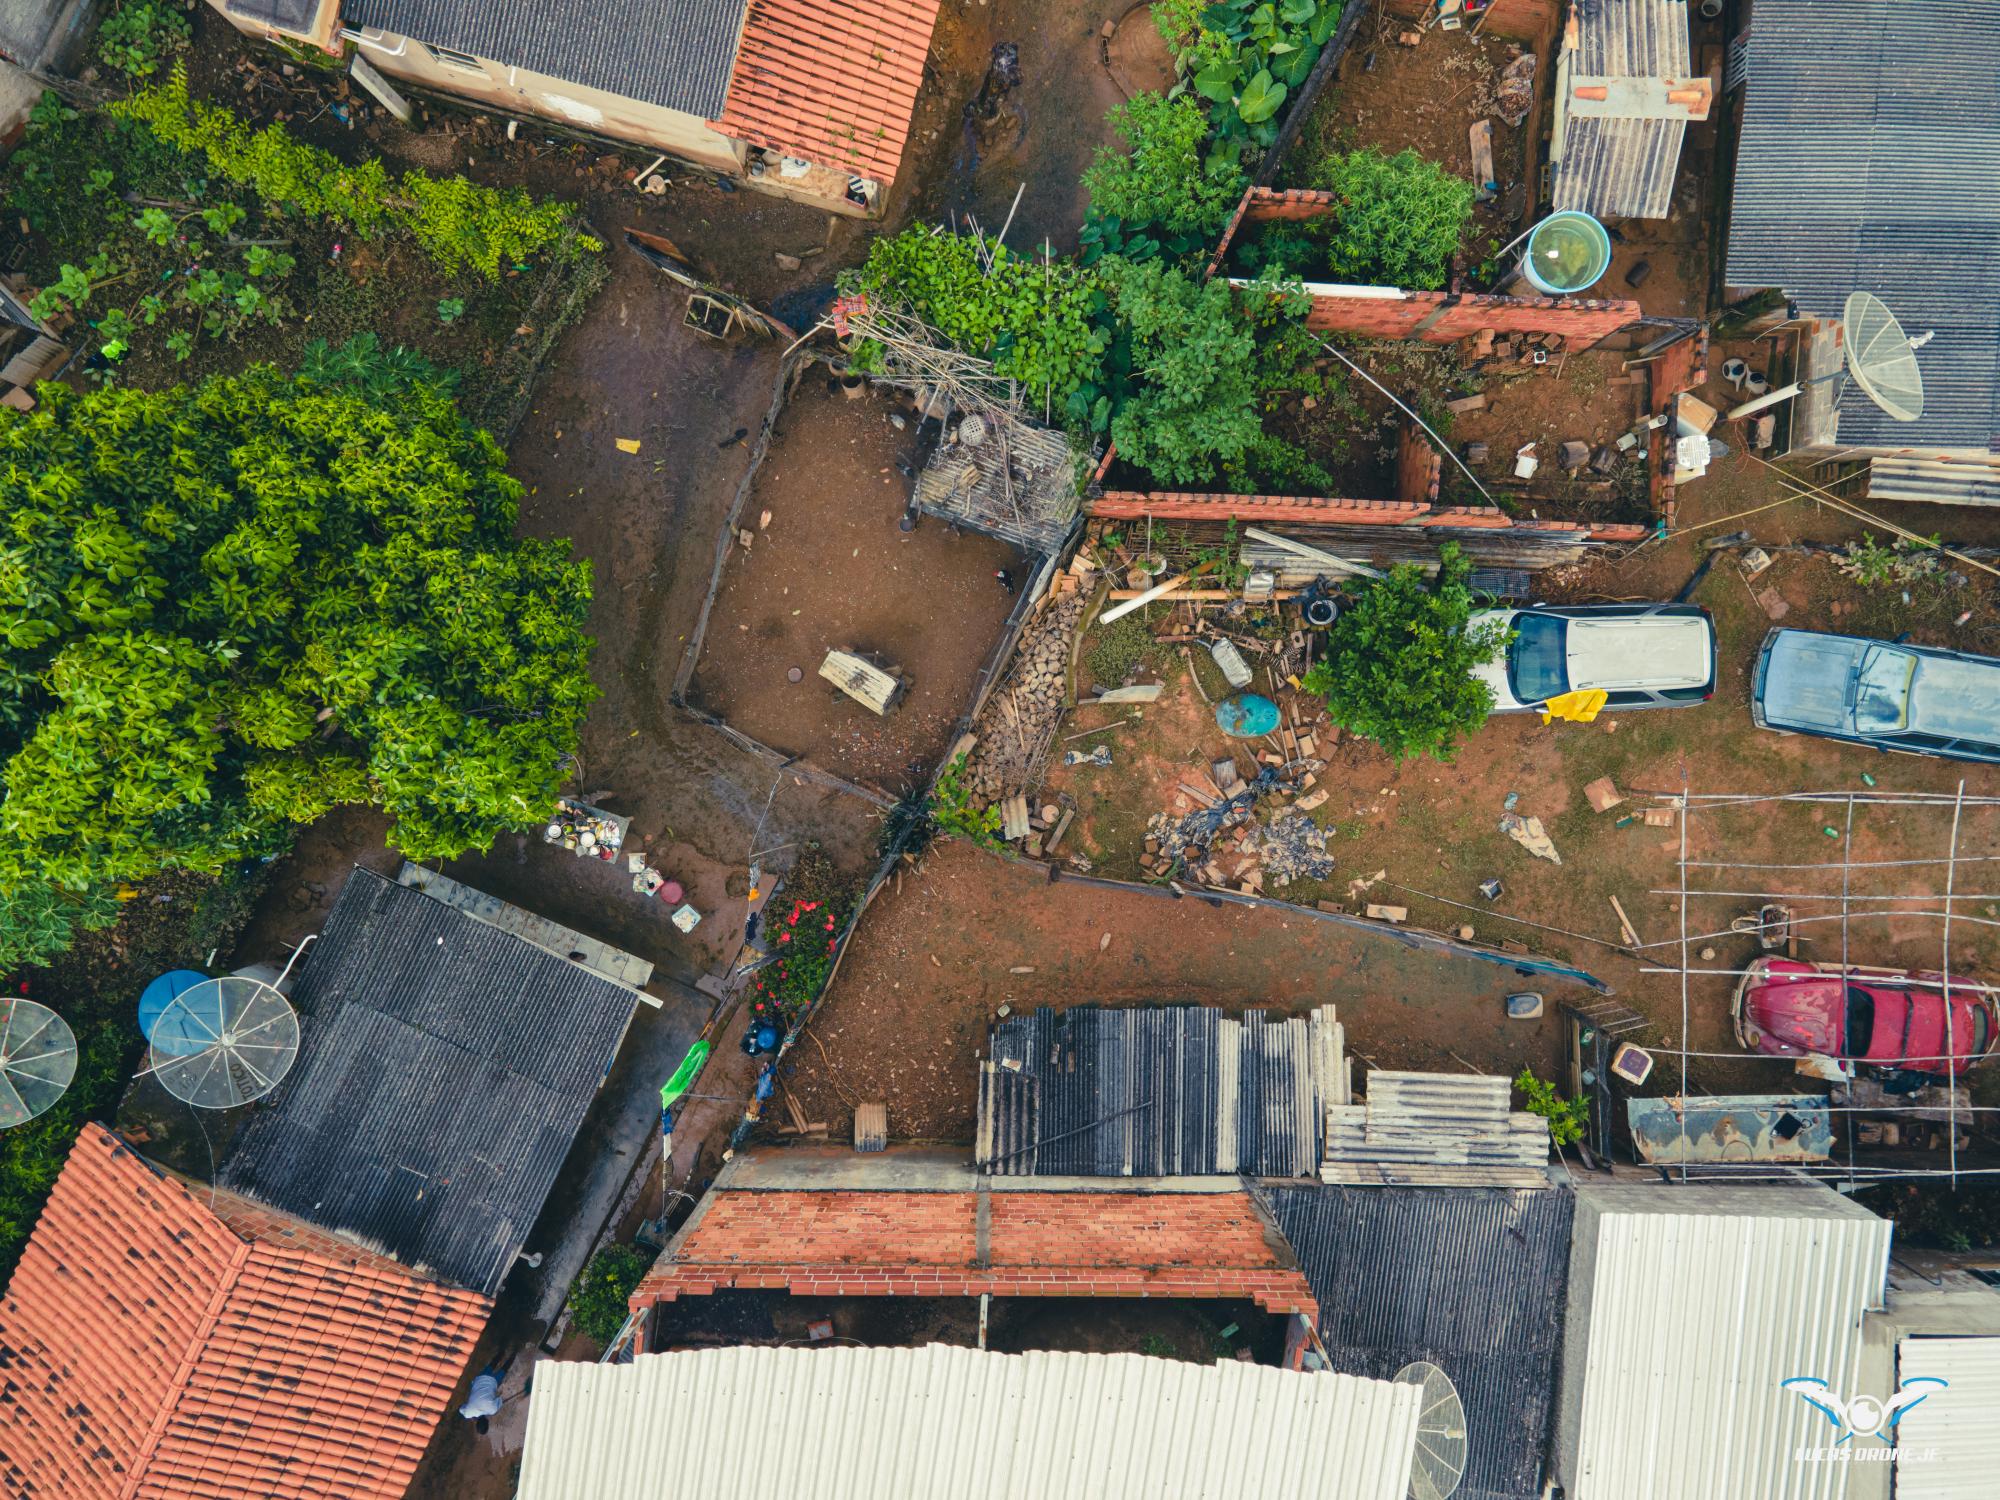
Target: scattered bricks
x=1602, y=794
x=1312, y=801
x=1772, y=604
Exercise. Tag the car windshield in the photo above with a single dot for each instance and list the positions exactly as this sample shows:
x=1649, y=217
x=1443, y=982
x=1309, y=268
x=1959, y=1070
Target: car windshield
x=1860, y=1022
x=1882, y=696
x=1535, y=659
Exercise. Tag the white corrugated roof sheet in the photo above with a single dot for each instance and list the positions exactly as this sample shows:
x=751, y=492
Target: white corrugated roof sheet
x=1700, y=1302
x=915, y=1424
x=1951, y=1439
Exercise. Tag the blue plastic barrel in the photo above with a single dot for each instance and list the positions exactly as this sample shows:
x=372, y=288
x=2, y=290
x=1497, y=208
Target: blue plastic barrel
x=156, y=997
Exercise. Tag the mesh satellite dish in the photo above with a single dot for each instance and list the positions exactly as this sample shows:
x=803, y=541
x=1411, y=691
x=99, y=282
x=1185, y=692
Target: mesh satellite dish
x=224, y=1042
x=37, y=1060
x=1439, y=1462
x=1879, y=357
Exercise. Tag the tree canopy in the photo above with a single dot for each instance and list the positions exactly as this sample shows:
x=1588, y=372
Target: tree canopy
x=227, y=608
x=1399, y=662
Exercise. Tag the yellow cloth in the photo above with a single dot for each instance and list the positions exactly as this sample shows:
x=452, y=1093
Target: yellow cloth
x=1578, y=708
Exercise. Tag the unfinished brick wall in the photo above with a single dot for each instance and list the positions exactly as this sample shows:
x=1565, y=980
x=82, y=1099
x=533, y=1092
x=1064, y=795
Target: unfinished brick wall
x=934, y=1244
x=1419, y=468
x=1313, y=510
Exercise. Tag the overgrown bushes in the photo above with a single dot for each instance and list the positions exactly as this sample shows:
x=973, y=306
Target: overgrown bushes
x=1400, y=221
x=460, y=224
x=599, y=1298
x=1166, y=182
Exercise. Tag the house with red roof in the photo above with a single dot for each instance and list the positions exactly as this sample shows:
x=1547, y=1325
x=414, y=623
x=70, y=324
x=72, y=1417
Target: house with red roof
x=166, y=1342
x=808, y=99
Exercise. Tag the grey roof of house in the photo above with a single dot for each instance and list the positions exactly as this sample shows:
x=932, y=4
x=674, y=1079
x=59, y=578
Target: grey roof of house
x=1158, y=1091
x=444, y=1069
x=676, y=53
x=1870, y=161
x=43, y=33
x=1471, y=1279
x=1624, y=169
x=286, y=15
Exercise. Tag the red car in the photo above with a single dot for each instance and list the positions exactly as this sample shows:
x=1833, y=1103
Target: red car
x=1886, y=1019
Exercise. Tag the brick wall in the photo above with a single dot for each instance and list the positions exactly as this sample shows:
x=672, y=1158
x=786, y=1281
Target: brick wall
x=1311, y=510
x=932, y=1244
x=1419, y=467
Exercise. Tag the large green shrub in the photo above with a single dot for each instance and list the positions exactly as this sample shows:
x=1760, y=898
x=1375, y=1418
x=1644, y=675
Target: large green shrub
x=1400, y=221
x=226, y=608
x=599, y=1299
x=138, y=35
x=461, y=224
x=1398, y=666
x=1166, y=179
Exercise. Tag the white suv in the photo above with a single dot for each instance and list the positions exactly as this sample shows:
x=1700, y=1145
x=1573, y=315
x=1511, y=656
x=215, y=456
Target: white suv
x=1642, y=655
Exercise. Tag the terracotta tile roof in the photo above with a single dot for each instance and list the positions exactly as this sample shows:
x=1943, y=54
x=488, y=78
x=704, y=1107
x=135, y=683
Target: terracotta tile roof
x=833, y=81
x=150, y=1349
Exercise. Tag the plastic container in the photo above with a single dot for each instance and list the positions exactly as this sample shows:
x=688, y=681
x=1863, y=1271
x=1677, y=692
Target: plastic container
x=1567, y=252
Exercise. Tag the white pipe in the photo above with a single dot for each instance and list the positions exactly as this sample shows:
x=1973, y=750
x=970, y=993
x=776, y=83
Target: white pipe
x=1784, y=393
x=1119, y=611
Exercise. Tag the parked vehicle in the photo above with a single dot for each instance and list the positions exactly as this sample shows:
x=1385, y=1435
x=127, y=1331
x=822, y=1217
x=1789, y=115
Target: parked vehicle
x=1642, y=655
x=1891, y=1020
x=1923, y=700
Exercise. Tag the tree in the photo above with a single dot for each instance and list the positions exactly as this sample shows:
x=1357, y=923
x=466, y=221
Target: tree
x=227, y=608
x=1399, y=661
x=1400, y=219
x=599, y=1298
x=1165, y=181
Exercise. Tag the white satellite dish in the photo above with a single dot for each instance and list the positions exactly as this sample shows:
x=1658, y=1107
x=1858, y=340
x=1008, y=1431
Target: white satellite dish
x=37, y=1060
x=224, y=1042
x=1439, y=1463
x=1879, y=356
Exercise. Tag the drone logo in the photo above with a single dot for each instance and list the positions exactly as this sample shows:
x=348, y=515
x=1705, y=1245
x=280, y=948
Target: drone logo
x=1864, y=1415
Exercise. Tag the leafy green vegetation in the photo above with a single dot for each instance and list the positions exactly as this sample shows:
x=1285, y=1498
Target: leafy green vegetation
x=1031, y=317
x=1165, y=183
x=459, y=224
x=1247, y=57
x=953, y=813
x=1568, y=1118
x=138, y=35
x=1116, y=649
x=599, y=1297
x=1399, y=662
x=39, y=921
x=1400, y=221
x=230, y=607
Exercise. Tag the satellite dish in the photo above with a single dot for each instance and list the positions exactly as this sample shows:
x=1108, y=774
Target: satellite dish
x=1439, y=1462
x=224, y=1042
x=1882, y=358
x=37, y=1060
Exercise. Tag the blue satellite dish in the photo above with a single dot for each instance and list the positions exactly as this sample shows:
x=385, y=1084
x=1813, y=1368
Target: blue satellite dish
x=153, y=1002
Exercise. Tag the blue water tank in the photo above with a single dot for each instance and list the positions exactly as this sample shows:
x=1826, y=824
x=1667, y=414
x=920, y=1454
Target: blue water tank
x=159, y=994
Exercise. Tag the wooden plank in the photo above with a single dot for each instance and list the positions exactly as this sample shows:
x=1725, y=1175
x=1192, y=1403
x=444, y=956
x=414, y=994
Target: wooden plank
x=1145, y=692
x=1314, y=554
x=1482, y=156
x=1632, y=938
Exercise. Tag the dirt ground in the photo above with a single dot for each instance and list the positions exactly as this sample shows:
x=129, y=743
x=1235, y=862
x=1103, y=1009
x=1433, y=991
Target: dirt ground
x=934, y=957
x=833, y=571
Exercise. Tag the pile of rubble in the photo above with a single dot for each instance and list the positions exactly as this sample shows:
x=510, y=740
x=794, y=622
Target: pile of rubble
x=1021, y=716
x=1219, y=842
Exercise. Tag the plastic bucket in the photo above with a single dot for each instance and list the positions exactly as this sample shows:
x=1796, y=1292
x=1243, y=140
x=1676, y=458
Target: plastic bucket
x=1568, y=252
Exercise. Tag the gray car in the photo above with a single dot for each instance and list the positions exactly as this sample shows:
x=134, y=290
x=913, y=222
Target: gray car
x=1923, y=700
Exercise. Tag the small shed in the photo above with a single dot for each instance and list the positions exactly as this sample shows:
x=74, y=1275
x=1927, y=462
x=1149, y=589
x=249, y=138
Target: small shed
x=863, y=681
x=1624, y=97
x=1005, y=478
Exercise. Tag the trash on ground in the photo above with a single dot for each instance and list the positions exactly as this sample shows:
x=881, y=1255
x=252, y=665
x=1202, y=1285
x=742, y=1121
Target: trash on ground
x=1528, y=833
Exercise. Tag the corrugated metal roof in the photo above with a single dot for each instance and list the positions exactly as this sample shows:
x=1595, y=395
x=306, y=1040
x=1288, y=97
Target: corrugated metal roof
x=1444, y=1128
x=1151, y=1092
x=1870, y=161
x=1957, y=1423
x=1470, y=1279
x=917, y=1424
x=1933, y=481
x=1697, y=1302
x=443, y=1070
x=675, y=53
x=287, y=15
x=1622, y=168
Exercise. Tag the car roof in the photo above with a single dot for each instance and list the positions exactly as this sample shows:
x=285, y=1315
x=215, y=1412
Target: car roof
x=1806, y=675
x=1659, y=650
x=1956, y=698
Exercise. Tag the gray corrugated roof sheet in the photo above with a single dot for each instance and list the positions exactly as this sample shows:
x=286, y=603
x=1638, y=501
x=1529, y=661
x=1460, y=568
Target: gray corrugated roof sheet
x=443, y=1070
x=1441, y=1129
x=286, y=15
x=1870, y=161
x=1471, y=1279
x=676, y=53
x=1154, y=1092
x=1614, y=168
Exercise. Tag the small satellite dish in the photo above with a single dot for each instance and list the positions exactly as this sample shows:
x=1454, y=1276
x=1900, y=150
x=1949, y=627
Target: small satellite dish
x=1882, y=358
x=224, y=1042
x=37, y=1060
x=1440, y=1457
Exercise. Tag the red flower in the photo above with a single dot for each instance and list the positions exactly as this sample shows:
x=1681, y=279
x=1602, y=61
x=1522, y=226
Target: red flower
x=784, y=937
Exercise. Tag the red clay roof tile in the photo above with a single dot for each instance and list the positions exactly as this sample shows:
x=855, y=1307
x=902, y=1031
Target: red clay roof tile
x=150, y=1349
x=831, y=81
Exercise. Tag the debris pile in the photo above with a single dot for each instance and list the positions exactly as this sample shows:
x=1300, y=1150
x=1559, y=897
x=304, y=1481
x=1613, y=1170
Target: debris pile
x=1020, y=718
x=1220, y=843
x=1292, y=847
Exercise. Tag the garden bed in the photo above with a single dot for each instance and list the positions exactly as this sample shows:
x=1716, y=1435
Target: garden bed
x=832, y=571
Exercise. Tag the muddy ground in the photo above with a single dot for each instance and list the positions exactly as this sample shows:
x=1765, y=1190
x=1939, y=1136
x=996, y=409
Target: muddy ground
x=832, y=570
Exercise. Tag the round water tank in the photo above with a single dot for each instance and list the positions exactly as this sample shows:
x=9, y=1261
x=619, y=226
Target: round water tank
x=1567, y=252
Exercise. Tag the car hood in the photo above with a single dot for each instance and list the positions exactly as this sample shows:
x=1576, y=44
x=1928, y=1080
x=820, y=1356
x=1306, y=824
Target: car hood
x=1494, y=672
x=1800, y=1007
x=1806, y=676
x=1665, y=651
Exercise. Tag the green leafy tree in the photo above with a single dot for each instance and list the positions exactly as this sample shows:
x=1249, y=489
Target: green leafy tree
x=39, y=921
x=139, y=34
x=1165, y=179
x=599, y=1299
x=227, y=608
x=1568, y=1118
x=1398, y=667
x=1401, y=218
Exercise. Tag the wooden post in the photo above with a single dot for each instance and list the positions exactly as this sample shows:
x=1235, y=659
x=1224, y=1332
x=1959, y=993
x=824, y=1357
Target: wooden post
x=365, y=75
